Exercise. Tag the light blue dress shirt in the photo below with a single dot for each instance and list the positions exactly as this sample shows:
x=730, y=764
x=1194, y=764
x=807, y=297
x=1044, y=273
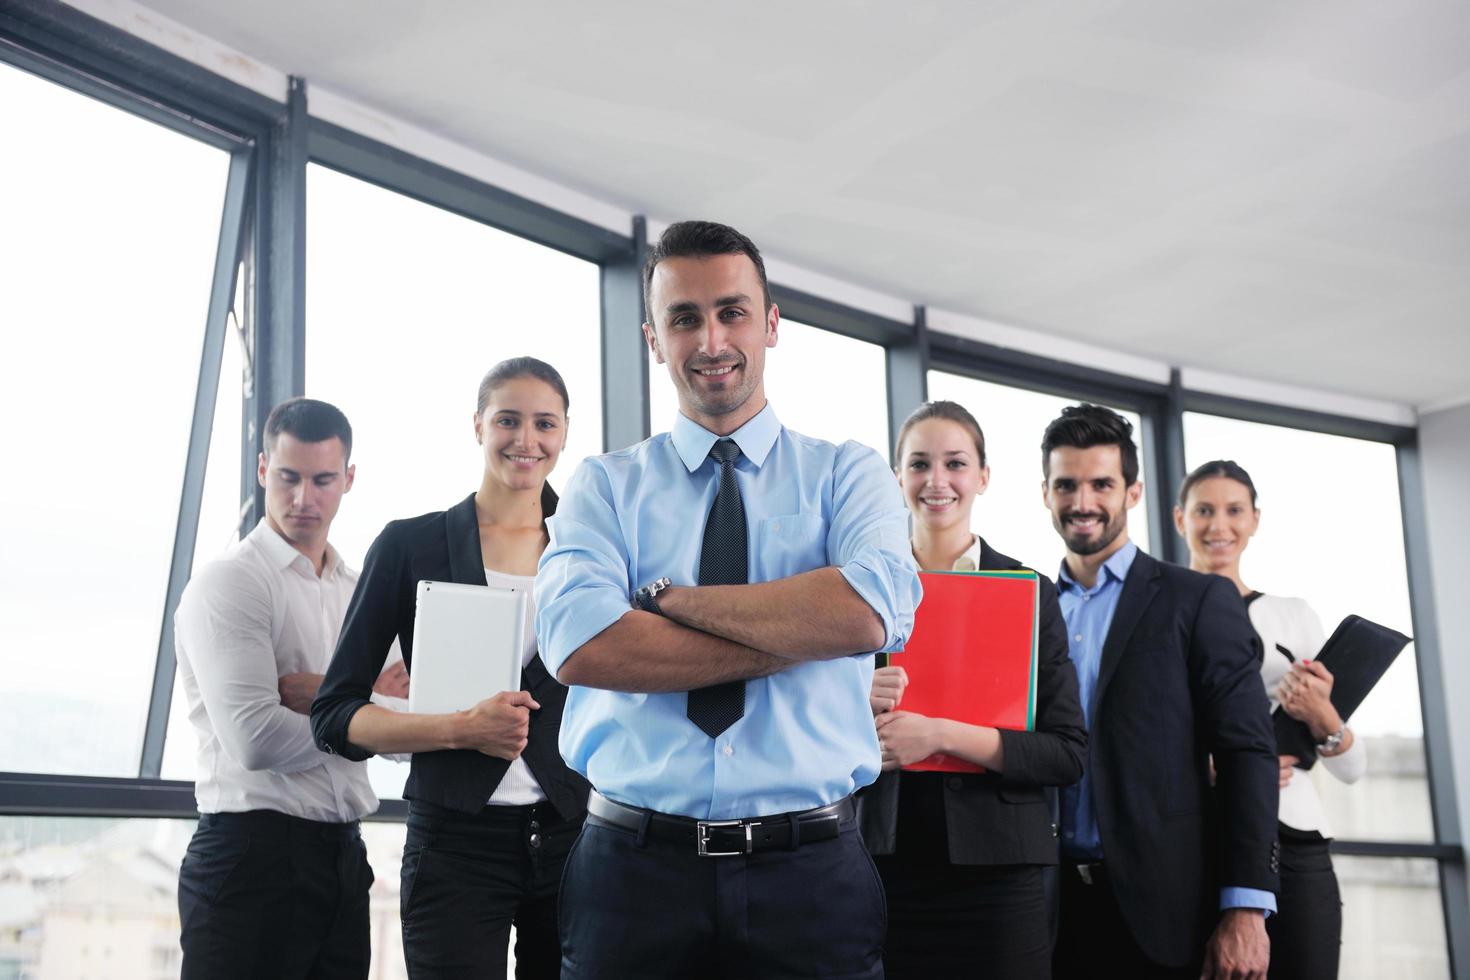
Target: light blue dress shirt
x=629, y=517
x=1089, y=614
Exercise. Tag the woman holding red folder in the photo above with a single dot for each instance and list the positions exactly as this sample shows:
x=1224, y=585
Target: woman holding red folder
x=961, y=854
x=1217, y=515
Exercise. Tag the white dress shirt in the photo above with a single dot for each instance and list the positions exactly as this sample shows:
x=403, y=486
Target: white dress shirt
x=246, y=620
x=1291, y=624
x=518, y=787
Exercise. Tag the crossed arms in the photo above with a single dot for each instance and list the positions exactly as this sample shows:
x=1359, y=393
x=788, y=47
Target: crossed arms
x=710, y=634
x=861, y=600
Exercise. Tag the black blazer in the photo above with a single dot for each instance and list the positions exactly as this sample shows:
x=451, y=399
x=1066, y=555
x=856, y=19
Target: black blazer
x=999, y=818
x=442, y=547
x=1180, y=681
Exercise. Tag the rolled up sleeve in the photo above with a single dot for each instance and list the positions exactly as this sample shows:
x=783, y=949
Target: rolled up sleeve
x=868, y=541
x=582, y=581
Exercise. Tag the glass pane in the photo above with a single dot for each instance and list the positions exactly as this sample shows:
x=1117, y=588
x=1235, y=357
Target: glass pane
x=1011, y=515
x=1343, y=552
x=83, y=897
x=803, y=354
x=407, y=306
x=219, y=519
x=1392, y=918
x=107, y=250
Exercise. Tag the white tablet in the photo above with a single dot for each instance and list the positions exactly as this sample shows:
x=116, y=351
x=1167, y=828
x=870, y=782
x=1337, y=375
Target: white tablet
x=466, y=645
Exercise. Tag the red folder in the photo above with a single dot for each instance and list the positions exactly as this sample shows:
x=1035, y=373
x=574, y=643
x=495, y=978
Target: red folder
x=972, y=655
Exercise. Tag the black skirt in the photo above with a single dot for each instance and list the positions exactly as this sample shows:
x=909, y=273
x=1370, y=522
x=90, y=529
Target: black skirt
x=952, y=920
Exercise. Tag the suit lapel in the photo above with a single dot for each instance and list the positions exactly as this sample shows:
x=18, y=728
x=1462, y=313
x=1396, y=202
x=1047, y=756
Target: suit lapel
x=1139, y=589
x=992, y=560
x=466, y=566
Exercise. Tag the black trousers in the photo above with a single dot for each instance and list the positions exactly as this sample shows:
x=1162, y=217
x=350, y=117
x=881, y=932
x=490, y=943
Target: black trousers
x=266, y=896
x=956, y=921
x=1306, y=931
x=466, y=879
x=1093, y=940
x=636, y=907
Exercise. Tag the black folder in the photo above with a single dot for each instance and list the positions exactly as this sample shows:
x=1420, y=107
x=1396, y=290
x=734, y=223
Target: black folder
x=1358, y=653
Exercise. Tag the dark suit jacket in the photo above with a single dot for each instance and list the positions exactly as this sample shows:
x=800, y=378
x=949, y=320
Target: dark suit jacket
x=1180, y=681
x=441, y=547
x=994, y=818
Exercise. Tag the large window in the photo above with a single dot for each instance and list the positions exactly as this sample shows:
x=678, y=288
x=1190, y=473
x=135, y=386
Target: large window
x=107, y=246
x=407, y=306
x=1331, y=533
x=819, y=383
x=1011, y=515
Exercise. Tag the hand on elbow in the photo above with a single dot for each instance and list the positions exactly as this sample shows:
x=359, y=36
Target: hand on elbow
x=498, y=726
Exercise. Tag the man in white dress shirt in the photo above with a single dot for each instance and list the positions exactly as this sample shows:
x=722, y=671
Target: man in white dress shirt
x=275, y=881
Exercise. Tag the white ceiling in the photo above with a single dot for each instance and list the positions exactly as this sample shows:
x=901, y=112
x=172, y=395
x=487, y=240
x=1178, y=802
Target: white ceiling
x=1277, y=190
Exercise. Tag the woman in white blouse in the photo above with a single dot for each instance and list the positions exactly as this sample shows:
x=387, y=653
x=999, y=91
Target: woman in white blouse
x=1217, y=515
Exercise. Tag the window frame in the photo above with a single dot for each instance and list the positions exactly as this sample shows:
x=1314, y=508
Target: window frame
x=264, y=220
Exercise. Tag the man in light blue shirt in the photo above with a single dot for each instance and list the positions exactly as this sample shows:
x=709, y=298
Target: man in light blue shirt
x=1161, y=873
x=724, y=722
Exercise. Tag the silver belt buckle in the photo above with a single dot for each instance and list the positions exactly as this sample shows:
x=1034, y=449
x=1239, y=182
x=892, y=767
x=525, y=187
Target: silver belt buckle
x=703, y=827
x=1084, y=871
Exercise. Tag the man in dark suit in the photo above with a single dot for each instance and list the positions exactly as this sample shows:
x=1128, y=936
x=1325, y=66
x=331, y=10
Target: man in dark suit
x=1162, y=873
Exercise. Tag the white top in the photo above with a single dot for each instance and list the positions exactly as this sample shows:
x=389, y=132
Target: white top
x=518, y=787
x=1291, y=624
x=245, y=621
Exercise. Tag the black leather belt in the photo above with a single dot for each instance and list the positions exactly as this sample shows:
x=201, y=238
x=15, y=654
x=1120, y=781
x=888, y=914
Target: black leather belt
x=728, y=838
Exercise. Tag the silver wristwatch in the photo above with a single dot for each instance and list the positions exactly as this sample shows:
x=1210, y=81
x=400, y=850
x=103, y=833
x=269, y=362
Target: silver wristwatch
x=1329, y=744
x=646, y=598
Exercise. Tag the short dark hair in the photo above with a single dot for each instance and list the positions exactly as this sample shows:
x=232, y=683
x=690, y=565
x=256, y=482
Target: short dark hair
x=308, y=420
x=520, y=367
x=1227, y=468
x=695, y=239
x=950, y=412
x=1084, y=426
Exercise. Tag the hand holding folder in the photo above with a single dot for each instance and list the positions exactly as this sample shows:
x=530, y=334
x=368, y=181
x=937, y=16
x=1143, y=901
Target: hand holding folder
x=972, y=656
x=1358, y=654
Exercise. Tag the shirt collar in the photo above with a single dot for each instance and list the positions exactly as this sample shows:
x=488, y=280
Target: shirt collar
x=1115, y=568
x=283, y=556
x=755, y=438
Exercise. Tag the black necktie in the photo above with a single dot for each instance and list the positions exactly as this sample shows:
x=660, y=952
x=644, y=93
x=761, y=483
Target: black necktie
x=724, y=560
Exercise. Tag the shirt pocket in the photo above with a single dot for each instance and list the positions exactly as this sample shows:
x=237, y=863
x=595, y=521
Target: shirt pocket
x=789, y=545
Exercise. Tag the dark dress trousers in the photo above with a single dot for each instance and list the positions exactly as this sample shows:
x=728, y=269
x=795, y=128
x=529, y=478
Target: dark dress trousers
x=961, y=853
x=469, y=868
x=1179, y=682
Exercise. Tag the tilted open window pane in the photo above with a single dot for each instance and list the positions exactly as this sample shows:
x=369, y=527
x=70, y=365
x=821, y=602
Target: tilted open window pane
x=107, y=248
x=219, y=519
x=819, y=383
x=1011, y=515
x=1331, y=533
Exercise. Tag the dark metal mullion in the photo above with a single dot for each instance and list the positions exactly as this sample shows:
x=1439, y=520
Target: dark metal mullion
x=186, y=530
x=839, y=318
x=907, y=369
x=625, y=418
x=277, y=337
x=1433, y=704
x=105, y=90
x=1166, y=451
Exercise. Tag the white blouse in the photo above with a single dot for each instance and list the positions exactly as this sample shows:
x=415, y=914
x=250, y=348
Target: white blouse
x=1290, y=631
x=518, y=787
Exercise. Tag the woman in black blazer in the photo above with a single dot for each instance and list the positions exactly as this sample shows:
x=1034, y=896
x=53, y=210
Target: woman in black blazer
x=961, y=855
x=493, y=809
